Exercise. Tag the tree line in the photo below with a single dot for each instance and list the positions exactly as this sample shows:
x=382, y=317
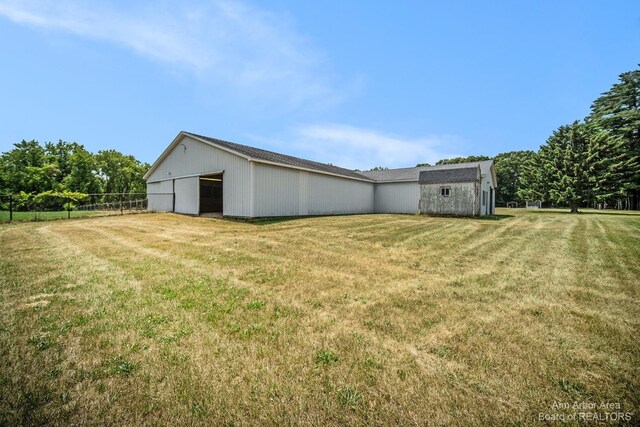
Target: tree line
x=594, y=162
x=50, y=175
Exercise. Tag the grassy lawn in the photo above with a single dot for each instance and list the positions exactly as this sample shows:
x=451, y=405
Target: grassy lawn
x=34, y=216
x=374, y=319
x=53, y=215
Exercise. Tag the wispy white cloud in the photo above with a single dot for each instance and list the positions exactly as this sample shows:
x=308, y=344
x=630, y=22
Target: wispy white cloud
x=248, y=49
x=360, y=148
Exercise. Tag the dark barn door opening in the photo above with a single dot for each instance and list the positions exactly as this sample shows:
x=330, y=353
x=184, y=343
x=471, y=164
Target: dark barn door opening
x=211, y=194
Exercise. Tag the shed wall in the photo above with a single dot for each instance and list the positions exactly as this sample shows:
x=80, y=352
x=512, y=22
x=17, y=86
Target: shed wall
x=459, y=202
x=200, y=158
x=397, y=197
x=486, y=185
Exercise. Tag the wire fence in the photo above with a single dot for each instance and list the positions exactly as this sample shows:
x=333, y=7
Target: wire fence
x=114, y=202
x=51, y=206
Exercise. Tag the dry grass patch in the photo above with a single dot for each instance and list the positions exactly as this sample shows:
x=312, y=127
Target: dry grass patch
x=375, y=319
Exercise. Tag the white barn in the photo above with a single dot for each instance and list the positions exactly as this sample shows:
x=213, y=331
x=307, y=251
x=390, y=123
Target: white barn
x=198, y=174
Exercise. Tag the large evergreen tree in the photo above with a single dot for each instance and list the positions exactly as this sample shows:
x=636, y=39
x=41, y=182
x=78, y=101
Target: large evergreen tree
x=534, y=179
x=617, y=114
x=610, y=168
x=509, y=170
x=564, y=163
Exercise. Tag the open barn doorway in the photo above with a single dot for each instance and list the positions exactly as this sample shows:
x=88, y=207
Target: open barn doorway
x=211, y=194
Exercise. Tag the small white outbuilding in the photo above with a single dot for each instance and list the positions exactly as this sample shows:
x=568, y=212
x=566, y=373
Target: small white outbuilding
x=197, y=175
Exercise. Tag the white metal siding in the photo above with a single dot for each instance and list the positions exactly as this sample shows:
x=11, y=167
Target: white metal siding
x=397, y=197
x=276, y=191
x=332, y=195
x=200, y=158
x=303, y=193
x=188, y=195
x=281, y=191
x=160, y=196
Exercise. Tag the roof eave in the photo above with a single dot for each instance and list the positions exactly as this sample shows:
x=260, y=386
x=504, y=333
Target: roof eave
x=220, y=147
x=176, y=142
x=391, y=181
x=450, y=182
x=282, y=165
x=164, y=155
x=493, y=174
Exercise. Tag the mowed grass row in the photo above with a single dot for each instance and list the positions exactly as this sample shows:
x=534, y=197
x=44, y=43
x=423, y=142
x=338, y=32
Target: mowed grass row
x=6, y=216
x=375, y=319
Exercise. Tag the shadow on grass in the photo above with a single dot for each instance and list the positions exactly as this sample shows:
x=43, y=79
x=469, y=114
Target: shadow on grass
x=275, y=220
x=267, y=220
x=494, y=217
x=499, y=217
x=282, y=219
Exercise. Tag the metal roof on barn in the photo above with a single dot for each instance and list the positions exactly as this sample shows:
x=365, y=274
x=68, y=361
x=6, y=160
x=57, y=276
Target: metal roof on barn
x=283, y=159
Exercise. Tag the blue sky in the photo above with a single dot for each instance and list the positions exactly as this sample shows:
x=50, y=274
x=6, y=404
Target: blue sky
x=356, y=83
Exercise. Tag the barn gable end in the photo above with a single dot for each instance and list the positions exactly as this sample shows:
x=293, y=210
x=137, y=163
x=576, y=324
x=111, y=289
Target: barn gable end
x=179, y=170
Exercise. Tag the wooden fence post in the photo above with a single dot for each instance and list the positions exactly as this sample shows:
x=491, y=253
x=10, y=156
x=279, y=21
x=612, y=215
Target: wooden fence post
x=10, y=207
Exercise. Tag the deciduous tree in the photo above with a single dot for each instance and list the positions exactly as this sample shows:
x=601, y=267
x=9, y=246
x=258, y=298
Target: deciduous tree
x=509, y=169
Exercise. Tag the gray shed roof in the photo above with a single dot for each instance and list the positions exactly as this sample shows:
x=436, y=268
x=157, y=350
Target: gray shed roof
x=450, y=176
x=283, y=159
